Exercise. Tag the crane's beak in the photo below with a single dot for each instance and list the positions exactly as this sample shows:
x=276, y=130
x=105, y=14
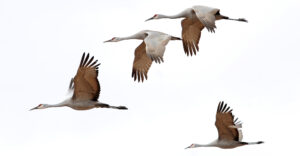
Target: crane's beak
x=149, y=19
x=107, y=41
x=187, y=147
x=33, y=108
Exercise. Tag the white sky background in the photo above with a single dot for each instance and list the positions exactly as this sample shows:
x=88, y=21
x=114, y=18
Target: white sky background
x=254, y=67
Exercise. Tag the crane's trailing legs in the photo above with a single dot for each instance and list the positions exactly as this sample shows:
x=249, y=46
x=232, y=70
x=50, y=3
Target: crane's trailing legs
x=102, y=105
x=252, y=143
x=219, y=16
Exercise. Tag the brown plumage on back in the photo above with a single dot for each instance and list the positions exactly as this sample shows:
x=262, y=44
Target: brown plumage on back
x=226, y=124
x=141, y=63
x=86, y=84
x=191, y=33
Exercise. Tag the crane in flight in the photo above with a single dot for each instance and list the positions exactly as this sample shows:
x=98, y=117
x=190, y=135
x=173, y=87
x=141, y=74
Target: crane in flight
x=151, y=49
x=195, y=19
x=229, y=129
x=85, y=87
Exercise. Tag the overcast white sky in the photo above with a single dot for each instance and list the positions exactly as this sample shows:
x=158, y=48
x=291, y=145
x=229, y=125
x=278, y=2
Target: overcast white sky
x=254, y=67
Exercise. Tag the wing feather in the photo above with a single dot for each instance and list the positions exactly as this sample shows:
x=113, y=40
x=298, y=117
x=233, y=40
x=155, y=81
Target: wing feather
x=191, y=33
x=156, y=44
x=86, y=84
x=228, y=126
x=90, y=61
x=207, y=16
x=141, y=63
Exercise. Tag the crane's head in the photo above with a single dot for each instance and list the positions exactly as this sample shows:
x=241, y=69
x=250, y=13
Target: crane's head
x=40, y=106
x=114, y=39
x=156, y=16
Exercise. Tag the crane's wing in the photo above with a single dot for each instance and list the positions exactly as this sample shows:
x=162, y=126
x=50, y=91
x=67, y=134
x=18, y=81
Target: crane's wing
x=141, y=63
x=191, y=33
x=155, y=45
x=71, y=86
x=86, y=84
x=206, y=15
x=228, y=127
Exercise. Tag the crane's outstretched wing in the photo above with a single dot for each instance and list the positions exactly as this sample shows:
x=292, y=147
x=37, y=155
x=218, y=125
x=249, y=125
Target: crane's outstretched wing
x=71, y=86
x=228, y=127
x=206, y=15
x=155, y=45
x=86, y=84
x=191, y=33
x=141, y=63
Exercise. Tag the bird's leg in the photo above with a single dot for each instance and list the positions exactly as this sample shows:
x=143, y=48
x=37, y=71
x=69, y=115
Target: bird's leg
x=219, y=16
x=102, y=105
x=252, y=143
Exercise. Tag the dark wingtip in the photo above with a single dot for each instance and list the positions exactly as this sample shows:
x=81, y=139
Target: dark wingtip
x=71, y=85
x=221, y=106
x=82, y=58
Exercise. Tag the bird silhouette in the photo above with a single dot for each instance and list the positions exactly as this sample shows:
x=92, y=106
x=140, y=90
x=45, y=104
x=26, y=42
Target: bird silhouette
x=229, y=130
x=195, y=19
x=151, y=49
x=86, y=88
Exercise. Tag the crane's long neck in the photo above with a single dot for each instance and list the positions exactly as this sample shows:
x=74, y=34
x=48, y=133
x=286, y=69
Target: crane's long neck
x=205, y=145
x=213, y=144
x=180, y=15
x=138, y=36
x=185, y=13
x=61, y=104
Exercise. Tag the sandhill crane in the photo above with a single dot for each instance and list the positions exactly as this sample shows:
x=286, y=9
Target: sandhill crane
x=151, y=49
x=229, y=129
x=196, y=18
x=86, y=88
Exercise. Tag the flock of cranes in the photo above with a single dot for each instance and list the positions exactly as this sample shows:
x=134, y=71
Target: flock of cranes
x=86, y=87
x=153, y=46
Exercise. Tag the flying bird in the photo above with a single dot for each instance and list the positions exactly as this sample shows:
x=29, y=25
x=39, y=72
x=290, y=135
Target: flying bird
x=85, y=87
x=229, y=129
x=151, y=49
x=195, y=19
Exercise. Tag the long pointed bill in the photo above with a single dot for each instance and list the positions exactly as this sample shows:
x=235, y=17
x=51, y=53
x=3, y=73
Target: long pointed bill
x=107, y=41
x=187, y=147
x=149, y=19
x=33, y=108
